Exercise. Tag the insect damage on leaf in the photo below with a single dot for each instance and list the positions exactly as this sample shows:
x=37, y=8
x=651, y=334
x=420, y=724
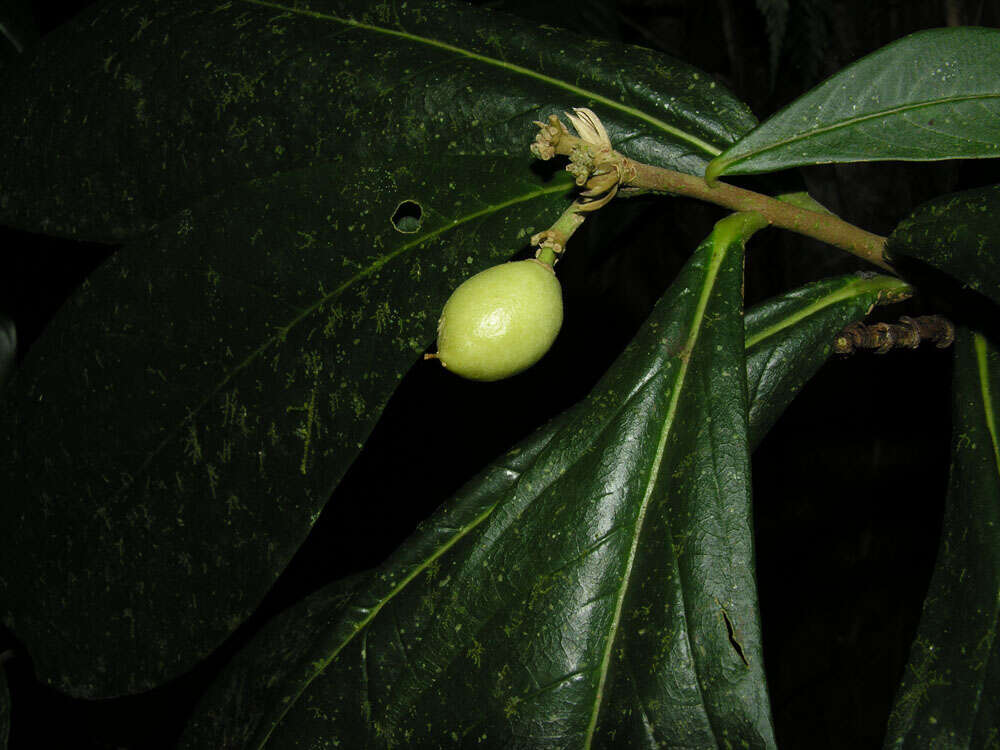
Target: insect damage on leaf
x=734, y=635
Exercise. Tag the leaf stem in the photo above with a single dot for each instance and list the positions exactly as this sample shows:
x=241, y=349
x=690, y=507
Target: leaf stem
x=827, y=228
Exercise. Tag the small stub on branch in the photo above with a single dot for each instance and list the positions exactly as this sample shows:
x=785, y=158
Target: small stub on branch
x=906, y=334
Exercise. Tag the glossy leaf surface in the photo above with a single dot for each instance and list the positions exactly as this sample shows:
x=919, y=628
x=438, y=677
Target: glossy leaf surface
x=214, y=380
x=790, y=337
x=950, y=693
x=593, y=588
x=787, y=339
x=931, y=95
x=104, y=141
x=958, y=234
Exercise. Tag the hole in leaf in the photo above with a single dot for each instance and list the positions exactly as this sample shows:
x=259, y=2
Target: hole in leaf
x=734, y=638
x=408, y=217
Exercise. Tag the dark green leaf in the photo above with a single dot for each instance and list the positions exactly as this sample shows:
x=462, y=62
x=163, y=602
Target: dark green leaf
x=592, y=18
x=787, y=340
x=215, y=379
x=135, y=110
x=17, y=29
x=950, y=694
x=775, y=14
x=8, y=348
x=293, y=646
x=4, y=709
x=790, y=337
x=932, y=95
x=958, y=234
x=808, y=34
x=594, y=588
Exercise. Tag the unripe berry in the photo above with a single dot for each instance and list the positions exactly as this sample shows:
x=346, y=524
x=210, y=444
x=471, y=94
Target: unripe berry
x=501, y=321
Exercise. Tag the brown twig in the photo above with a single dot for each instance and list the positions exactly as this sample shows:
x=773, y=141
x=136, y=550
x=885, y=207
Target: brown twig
x=824, y=227
x=606, y=173
x=907, y=334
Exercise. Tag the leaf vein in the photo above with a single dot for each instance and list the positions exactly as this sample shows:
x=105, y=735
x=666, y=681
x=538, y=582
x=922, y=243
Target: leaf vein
x=281, y=332
x=512, y=67
x=806, y=135
x=361, y=625
x=680, y=375
x=986, y=391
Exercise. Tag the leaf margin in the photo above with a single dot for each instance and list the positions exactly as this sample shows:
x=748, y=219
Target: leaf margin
x=803, y=107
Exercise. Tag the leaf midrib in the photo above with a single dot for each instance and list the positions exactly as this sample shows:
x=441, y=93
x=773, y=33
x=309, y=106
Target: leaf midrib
x=465, y=530
x=987, y=396
x=720, y=250
x=848, y=123
x=260, y=740
x=682, y=135
x=362, y=624
x=848, y=291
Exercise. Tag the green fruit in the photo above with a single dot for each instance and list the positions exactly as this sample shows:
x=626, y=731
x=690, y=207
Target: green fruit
x=500, y=321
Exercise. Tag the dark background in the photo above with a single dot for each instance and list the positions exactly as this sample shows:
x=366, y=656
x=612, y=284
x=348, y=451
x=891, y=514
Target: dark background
x=848, y=486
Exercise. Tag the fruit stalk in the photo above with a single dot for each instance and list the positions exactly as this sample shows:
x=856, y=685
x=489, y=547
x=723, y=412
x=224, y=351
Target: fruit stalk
x=552, y=242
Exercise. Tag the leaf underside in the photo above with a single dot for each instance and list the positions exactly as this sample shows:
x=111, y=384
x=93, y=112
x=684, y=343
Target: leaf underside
x=950, y=693
x=214, y=380
x=958, y=234
x=470, y=611
x=931, y=95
